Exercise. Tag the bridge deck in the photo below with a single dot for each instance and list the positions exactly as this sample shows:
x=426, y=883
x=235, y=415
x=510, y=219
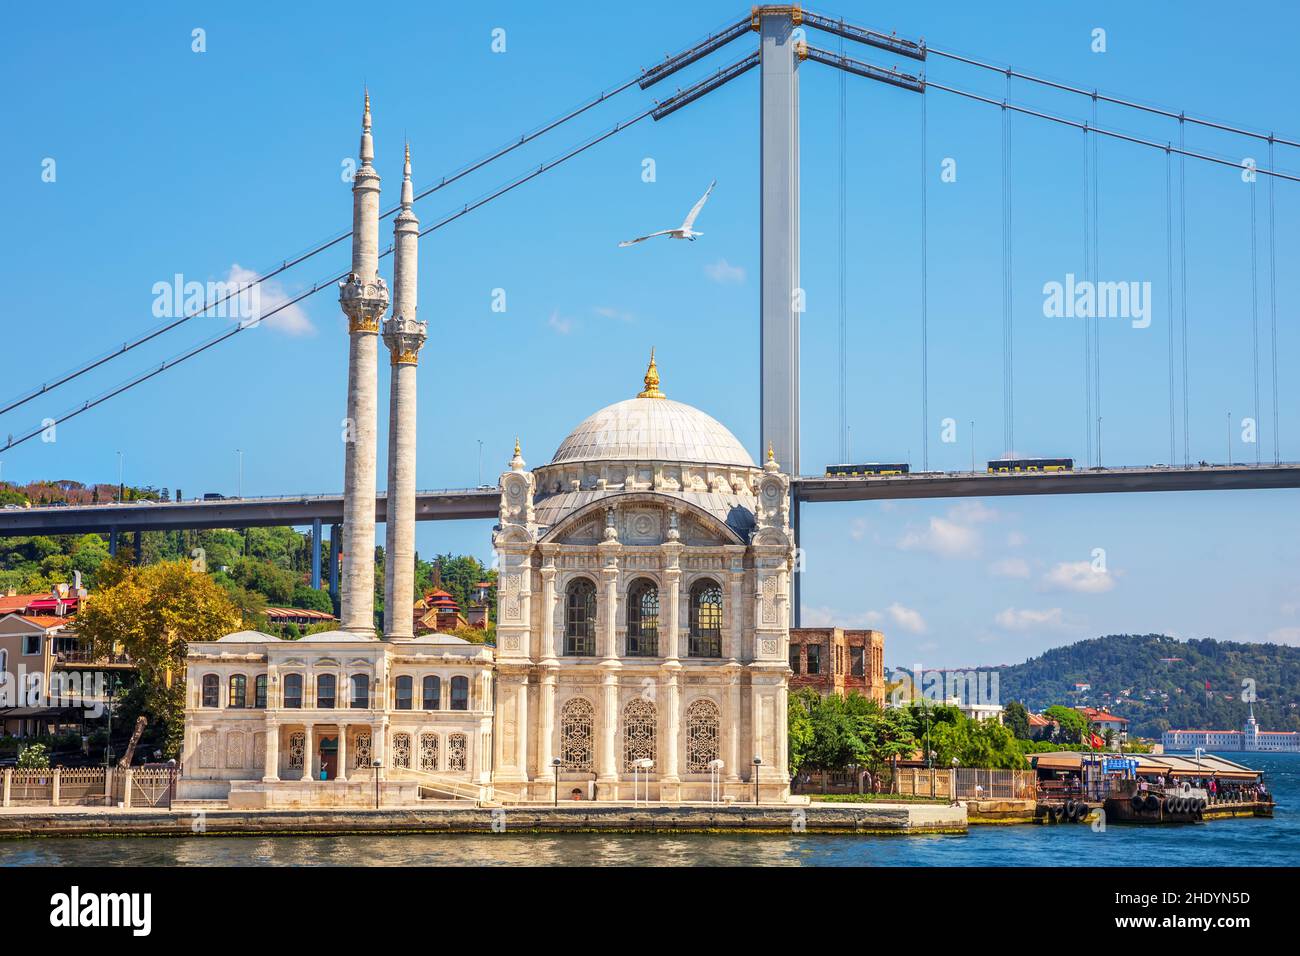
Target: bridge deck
x=482, y=503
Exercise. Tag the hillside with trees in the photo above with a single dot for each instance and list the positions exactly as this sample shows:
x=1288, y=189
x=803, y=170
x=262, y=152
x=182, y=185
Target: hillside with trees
x=1159, y=682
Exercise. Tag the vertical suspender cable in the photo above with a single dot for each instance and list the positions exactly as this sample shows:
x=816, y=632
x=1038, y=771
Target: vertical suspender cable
x=1011, y=295
x=925, y=332
x=1182, y=241
x=1272, y=299
x=1254, y=309
x=1087, y=320
x=1169, y=291
x=843, y=290
x=1096, y=269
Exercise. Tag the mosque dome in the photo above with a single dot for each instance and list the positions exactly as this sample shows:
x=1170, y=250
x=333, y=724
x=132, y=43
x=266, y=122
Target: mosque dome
x=651, y=427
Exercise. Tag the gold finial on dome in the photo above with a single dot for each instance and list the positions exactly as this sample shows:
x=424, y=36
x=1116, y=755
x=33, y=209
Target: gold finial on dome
x=516, y=444
x=652, y=380
x=771, y=452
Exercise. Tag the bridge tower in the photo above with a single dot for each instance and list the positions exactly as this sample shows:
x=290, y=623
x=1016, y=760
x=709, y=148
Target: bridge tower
x=363, y=296
x=781, y=297
x=404, y=337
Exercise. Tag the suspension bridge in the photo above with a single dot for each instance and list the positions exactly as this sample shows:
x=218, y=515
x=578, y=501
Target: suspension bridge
x=786, y=45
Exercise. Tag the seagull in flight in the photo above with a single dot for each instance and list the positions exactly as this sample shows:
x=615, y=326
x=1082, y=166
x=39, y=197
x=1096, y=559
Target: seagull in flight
x=684, y=231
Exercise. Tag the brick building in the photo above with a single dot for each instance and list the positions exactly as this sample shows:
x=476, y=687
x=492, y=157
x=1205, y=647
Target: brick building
x=838, y=660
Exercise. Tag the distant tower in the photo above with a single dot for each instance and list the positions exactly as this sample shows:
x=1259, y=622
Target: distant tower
x=363, y=297
x=404, y=337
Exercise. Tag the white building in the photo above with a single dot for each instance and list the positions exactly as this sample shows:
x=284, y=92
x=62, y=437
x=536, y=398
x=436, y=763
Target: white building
x=1249, y=738
x=643, y=612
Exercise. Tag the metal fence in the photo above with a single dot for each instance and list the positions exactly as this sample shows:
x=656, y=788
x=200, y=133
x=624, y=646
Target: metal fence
x=89, y=787
x=971, y=783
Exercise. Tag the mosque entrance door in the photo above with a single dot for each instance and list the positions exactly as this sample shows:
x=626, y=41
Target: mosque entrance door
x=329, y=757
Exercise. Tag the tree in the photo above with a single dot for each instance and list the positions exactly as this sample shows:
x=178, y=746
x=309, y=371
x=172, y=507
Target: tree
x=1016, y=719
x=34, y=757
x=799, y=728
x=1074, y=726
x=151, y=614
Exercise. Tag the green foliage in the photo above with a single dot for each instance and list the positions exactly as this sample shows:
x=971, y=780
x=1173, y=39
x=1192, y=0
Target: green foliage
x=308, y=597
x=835, y=732
x=1158, y=682
x=1074, y=726
x=1016, y=719
x=35, y=757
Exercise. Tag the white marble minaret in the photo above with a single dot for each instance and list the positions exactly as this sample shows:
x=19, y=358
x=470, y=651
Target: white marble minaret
x=364, y=299
x=404, y=337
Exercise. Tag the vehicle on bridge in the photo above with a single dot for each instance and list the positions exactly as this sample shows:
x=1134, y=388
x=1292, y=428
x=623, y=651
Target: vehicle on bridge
x=866, y=470
x=1012, y=465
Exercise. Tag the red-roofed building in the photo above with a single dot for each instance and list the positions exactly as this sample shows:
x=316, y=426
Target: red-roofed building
x=438, y=612
x=1101, y=721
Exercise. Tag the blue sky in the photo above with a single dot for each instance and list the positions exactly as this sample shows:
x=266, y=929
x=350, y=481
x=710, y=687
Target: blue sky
x=169, y=161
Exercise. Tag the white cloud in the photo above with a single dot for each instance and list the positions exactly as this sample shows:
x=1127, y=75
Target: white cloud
x=724, y=273
x=971, y=512
x=560, y=324
x=858, y=529
x=944, y=537
x=605, y=312
x=268, y=295
x=1080, y=577
x=907, y=618
x=1285, y=635
x=1010, y=568
x=1025, y=619
x=1015, y=539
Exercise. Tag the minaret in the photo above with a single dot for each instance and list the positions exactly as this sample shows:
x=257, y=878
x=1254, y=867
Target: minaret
x=404, y=337
x=363, y=297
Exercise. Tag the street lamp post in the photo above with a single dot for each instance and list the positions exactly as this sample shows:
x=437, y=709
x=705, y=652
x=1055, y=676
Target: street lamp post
x=757, y=762
x=555, y=763
x=376, y=765
x=953, y=781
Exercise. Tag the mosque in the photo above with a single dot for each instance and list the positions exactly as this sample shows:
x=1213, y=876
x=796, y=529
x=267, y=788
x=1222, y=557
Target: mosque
x=643, y=638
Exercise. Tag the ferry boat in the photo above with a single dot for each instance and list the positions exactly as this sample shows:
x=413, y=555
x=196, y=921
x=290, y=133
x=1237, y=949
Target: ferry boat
x=1146, y=788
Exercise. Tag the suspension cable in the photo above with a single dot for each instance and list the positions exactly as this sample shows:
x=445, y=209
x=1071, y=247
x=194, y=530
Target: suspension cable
x=1254, y=312
x=1182, y=268
x=1117, y=101
x=1272, y=303
x=1087, y=275
x=1113, y=134
x=328, y=283
x=1096, y=277
x=925, y=285
x=1169, y=286
x=843, y=265
x=287, y=264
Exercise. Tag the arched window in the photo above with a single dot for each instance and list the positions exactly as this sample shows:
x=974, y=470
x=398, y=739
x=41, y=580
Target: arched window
x=643, y=619
x=580, y=619
x=577, y=735
x=326, y=691
x=460, y=693
x=360, y=691
x=211, y=690
x=238, y=691
x=432, y=692
x=640, y=725
x=702, y=721
x=404, y=689
x=293, y=690
x=259, y=691
x=706, y=620
x=402, y=750
x=457, y=752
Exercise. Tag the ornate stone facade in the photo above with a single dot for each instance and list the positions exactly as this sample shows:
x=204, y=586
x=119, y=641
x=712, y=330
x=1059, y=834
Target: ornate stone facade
x=644, y=588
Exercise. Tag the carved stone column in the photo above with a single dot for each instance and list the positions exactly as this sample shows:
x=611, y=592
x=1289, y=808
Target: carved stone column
x=307, y=747
x=669, y=781
x=732, y=725
x=549, y=647
x=546, y=723
x=342, y=753
x=607, y=758
x=272, y=770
